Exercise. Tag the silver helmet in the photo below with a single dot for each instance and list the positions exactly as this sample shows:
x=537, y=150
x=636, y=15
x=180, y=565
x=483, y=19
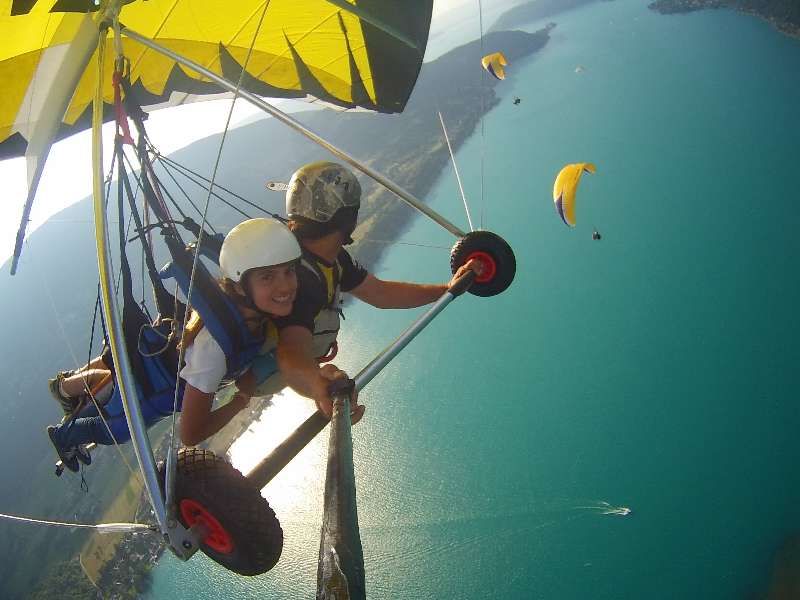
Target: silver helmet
x=318, y=190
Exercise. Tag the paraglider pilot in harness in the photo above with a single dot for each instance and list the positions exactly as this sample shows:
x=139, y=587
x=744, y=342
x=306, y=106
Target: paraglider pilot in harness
x=322, y=203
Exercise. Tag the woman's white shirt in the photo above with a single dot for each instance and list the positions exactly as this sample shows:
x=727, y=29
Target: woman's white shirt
x=205, y=364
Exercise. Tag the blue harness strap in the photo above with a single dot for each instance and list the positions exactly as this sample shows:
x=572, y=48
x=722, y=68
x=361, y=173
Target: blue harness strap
x=156, y=368
x=220, y=315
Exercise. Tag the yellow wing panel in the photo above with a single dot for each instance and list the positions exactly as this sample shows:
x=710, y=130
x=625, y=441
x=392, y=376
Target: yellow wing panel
x=354, y=54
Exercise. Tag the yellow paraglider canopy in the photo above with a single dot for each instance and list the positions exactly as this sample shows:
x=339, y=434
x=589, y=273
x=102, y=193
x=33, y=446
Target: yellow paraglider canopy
x=565, y=188
x=494, y=63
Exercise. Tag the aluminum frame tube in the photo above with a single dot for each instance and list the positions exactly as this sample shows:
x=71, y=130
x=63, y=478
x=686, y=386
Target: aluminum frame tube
x=124, y=372
x=340, y=566
x=381, y=360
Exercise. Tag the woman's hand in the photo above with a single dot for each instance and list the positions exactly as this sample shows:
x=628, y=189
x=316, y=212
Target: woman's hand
x=241, y=400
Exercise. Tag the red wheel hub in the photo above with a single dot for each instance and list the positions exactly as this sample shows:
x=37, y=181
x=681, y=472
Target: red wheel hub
x=217, y=537
x=487, y=262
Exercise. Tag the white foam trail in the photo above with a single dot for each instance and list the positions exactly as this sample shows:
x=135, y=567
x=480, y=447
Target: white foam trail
x=604, y=508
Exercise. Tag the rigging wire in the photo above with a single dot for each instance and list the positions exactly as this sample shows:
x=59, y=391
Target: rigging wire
x=107, y=190
x=483, y=108
x=189, y=200
x=190, y=175
x=108, y=181
x=94, y=323
x=99, y=528
x=140, y=186
x=419, y=245
x=78, y=366
x=455, y=168
x=68, y=345
x=171, y=454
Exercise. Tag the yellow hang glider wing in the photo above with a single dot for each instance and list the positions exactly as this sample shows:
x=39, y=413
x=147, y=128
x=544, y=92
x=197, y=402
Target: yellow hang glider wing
x=366, y=54
x=494, y=63
x=565, y=188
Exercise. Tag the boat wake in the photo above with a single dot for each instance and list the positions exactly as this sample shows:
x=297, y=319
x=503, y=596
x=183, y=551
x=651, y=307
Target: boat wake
x=604, y=508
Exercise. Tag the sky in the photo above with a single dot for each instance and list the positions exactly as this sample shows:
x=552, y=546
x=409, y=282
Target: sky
x=67, y=176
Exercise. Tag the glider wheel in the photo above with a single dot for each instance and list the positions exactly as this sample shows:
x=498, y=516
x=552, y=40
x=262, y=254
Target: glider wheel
x=242, y=532
x=499, y=264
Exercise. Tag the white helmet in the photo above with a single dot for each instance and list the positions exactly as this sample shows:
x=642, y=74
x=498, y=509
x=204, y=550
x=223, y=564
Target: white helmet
x=256, y=243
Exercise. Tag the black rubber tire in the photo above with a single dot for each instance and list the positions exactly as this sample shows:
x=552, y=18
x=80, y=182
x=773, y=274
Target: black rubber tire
x=502, y=254
x=232, y=500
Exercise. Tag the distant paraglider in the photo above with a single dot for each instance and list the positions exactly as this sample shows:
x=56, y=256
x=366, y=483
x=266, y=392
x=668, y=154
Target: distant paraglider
x=565, y=188
x=494, y=63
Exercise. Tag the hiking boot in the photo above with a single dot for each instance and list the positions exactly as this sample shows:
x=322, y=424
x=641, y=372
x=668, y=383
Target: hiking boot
x=82, y=454
x=68, y=403
x=68, y=458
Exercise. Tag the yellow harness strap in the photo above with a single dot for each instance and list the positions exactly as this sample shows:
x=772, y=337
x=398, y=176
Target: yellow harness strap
x=327, y=272
x=272, y=332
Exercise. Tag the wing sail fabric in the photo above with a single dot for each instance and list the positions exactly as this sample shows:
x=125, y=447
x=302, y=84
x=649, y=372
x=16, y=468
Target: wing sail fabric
x=364, y=53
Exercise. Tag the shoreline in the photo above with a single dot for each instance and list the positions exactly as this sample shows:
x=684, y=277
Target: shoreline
x=785, y=26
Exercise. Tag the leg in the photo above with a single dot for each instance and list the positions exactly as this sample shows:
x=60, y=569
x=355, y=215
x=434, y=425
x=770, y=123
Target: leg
x=69, y=437
x=83, y=430
x=83, y=382
x=98, y=362
x=101, y=361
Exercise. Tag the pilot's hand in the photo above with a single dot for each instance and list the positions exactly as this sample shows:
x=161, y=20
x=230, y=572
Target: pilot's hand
x=329, y=373
x=472, y=265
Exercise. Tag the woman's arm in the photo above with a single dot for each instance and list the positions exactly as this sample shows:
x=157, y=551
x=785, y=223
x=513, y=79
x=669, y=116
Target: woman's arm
x=246, y=384
x=199, y=422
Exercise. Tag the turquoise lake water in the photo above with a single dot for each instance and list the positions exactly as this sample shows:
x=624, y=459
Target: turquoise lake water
x=653, y=369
